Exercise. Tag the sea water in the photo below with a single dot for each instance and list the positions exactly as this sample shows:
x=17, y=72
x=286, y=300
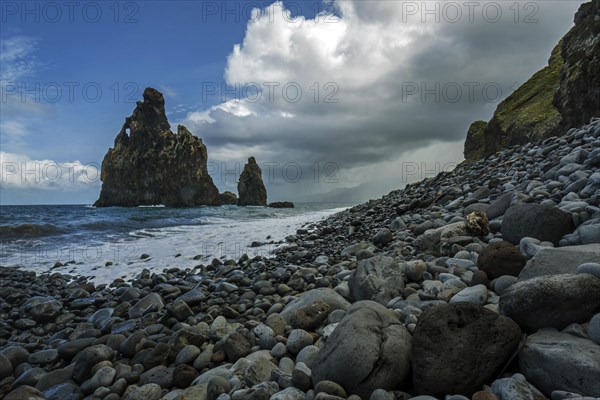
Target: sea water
x=117, y=242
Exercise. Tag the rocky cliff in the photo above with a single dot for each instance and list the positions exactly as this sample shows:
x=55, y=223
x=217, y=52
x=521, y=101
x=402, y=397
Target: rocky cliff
x=251, y=189
x=149, y=164
x=563, y=94
x=578, y=95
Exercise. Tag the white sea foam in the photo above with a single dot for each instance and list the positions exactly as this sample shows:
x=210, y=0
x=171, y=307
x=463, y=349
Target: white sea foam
x=172, y=247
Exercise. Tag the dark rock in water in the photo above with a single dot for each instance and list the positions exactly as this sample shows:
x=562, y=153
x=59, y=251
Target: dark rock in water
x=151, y=165
x=281, y=204
x=578, y=96
x=560, y=361
x=369, y=349
x=251, y=188
x=543, y=222
x=551, y=301
x=457, y=348
x=228, y=198
x=501, y=258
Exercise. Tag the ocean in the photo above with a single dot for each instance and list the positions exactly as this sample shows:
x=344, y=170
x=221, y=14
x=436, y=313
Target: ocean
x=116, y=242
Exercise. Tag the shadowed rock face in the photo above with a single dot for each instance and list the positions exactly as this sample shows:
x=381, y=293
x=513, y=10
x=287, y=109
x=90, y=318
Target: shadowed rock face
x=251, y=189
x=578, y=96
x=151, y=165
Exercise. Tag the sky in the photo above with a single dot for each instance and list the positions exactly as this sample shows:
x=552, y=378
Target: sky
x=327, y=95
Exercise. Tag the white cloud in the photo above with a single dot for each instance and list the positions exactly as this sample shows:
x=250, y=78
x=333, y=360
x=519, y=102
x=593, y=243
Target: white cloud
x=18, y=171
x=168, y=91
x=365, y=58
x=16, y=58
x=13, y=128
x=235, y=108
x=19, y=116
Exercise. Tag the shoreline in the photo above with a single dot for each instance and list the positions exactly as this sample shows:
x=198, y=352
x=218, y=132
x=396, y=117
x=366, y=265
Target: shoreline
x=184, y=246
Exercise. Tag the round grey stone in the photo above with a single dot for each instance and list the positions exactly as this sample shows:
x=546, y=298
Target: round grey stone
x=589, y=268
x=297, y=340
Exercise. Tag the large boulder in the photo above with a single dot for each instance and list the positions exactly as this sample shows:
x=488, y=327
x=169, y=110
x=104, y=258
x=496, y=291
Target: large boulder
x=552, y=301
x=457, y=348
x=559, y=260
x=251, y=189
x=377, y=278
x=540, y=221
x=369, y=349
x=501, y=258
x=560, y=361
x=149, y=164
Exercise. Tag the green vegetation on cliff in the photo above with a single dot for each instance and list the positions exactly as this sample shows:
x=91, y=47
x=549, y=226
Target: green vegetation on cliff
x=564, y=94
x=525, y=115
x=528, y=113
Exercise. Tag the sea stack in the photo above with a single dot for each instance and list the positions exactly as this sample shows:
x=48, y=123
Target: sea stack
x=251, y=189
x=151, y=165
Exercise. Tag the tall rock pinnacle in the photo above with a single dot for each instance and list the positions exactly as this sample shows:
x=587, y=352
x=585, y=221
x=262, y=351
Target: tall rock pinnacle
x=151, y=165
x=251, y=188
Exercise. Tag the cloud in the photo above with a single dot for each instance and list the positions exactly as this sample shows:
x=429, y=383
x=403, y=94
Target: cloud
x=168, y=90
x=16, y=58
x=18, y=171
x=19, y=116
x=376, y=82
